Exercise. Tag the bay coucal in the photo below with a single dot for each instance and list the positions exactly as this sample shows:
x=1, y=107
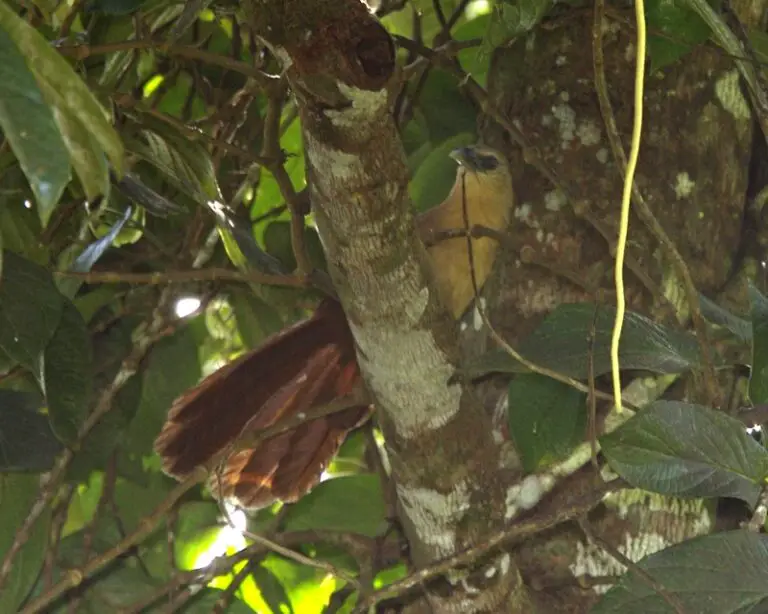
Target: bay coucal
x=313, y=362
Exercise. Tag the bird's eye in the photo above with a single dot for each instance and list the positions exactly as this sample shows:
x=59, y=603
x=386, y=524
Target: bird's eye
x=486, y=162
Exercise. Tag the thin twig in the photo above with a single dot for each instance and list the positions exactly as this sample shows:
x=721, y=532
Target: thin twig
x=176, y=277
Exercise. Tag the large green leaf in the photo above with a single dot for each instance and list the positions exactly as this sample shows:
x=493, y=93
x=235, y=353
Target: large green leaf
x=352, y=504
x=30, y=310
x=546, y=419
x=171, y=368
x=687, y=450
x=561, y=343
x=758, y=381
x=27, y=442
x=72, y=95
x=17, y=493
x=67, y=374
x=675, y=28
x=713, y=574
x=29, y=125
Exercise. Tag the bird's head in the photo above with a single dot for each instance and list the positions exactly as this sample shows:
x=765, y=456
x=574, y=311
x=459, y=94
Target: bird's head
x=484, y=168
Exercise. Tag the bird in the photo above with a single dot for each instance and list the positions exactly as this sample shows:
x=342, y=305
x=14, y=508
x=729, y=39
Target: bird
x=313, y=362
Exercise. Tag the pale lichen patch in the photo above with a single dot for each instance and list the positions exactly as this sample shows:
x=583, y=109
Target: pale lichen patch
x=728, y=92
x=683, y=185
x=435, y=516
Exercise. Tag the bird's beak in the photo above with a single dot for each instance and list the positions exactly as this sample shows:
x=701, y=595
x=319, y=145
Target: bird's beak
x=465, y=156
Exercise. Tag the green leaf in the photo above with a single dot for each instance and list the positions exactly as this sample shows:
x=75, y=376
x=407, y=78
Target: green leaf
x=437, y=174
x=256, y=319
x=17, y=493
x=171, y=368
x=85, y=154
x=109, y=432
x=446, y=110
x=29, y=125
x=268, y=195
x=353, y=504
x=205, y=602
x=687, y=450
x=739, y=327
x=20, y=230
x=561, y=343
x=722, y=573
x=67, y=374
x=27, y=442
x=547, y=419
x=74, y=97
x=30, y=310
x=185, y=163
x=271, y=590
x=758, y=381
x=675, y=28
x=475, y=61
x=277, y=242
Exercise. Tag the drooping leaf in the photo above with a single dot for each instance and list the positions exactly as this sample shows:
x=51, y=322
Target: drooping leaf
x=74, y=96
x=17, y=493
x=352, y=504
x=561, y=343
x=27, y=442
x=185, y=163
x=680, y=449
x=171, y=368
x=85, y=154
x=90, y=256
x=30, y=310
x=29, y=125
x=722, y=573
x=546, y=419
x=758, y=381
x=140, y=193
x=67, y=374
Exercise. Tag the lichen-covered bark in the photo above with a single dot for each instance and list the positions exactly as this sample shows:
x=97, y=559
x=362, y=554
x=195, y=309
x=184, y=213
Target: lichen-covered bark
x=692, y=171
x=445, y=463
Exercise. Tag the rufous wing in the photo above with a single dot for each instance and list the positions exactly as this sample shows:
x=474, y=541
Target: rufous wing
x=306, y=365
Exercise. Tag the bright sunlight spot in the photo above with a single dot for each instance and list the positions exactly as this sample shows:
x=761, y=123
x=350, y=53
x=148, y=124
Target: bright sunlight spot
x=187, y=306
x=28, y=204
x=229, y=540
x=477, y=8
x=757, y=428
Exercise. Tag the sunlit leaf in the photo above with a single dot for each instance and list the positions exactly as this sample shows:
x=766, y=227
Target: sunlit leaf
x=256, y=319
x=687, y=450
x=353, y=504
x=674, y=29
x=29, y=125
x=74, y=96
x=722, y=573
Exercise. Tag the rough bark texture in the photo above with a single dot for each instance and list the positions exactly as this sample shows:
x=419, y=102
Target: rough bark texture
x=693, y=172
x=445, y=463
